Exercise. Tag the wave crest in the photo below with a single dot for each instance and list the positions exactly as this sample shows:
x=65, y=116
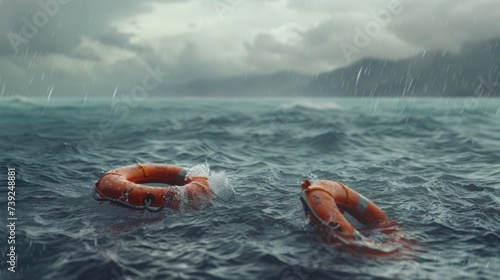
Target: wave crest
x=308, y=104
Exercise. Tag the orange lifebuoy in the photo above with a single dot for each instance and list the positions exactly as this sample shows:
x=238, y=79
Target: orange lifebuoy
x=125, y=185
x=325, y=201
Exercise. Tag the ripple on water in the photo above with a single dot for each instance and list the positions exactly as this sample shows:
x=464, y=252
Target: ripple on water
x=432, y=174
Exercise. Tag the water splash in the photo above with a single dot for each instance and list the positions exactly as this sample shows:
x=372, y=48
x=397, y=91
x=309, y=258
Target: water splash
x=221, y=189
x=200, y=170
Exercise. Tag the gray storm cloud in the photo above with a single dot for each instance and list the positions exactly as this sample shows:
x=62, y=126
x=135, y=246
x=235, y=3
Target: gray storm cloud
x=92, y=47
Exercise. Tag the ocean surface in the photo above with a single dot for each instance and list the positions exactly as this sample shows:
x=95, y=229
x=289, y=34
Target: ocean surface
x=433, y=165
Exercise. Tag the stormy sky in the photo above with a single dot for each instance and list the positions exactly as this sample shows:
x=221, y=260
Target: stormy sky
x=95, y=47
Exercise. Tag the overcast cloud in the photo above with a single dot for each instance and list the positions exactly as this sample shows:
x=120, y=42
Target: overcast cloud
x=91, y=47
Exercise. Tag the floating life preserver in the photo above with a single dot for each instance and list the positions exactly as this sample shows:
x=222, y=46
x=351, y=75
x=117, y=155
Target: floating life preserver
x=124, y=185
x=325, y=202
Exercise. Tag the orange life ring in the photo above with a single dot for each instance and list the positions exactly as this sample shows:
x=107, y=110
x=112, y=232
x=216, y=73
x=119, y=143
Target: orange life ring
x=325, y=201
x=124, y=185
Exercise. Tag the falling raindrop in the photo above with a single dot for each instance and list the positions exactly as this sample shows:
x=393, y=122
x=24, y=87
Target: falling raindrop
x=359, y=74
x=125, y=47
x=50, y=93
x=3, y=89
x=85, y=99
x=114, y=93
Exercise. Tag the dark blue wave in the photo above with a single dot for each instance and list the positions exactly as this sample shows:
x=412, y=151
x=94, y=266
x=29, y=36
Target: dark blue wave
x=432, y=165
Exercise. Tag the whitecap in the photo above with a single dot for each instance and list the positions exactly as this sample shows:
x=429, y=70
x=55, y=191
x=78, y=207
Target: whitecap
x=308, y=104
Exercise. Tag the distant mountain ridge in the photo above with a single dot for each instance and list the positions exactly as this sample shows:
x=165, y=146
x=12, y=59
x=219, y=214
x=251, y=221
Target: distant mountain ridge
x=473, y=71
x=433, y=73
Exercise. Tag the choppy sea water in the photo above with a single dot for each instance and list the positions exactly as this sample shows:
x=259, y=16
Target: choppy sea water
x=431, y=164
